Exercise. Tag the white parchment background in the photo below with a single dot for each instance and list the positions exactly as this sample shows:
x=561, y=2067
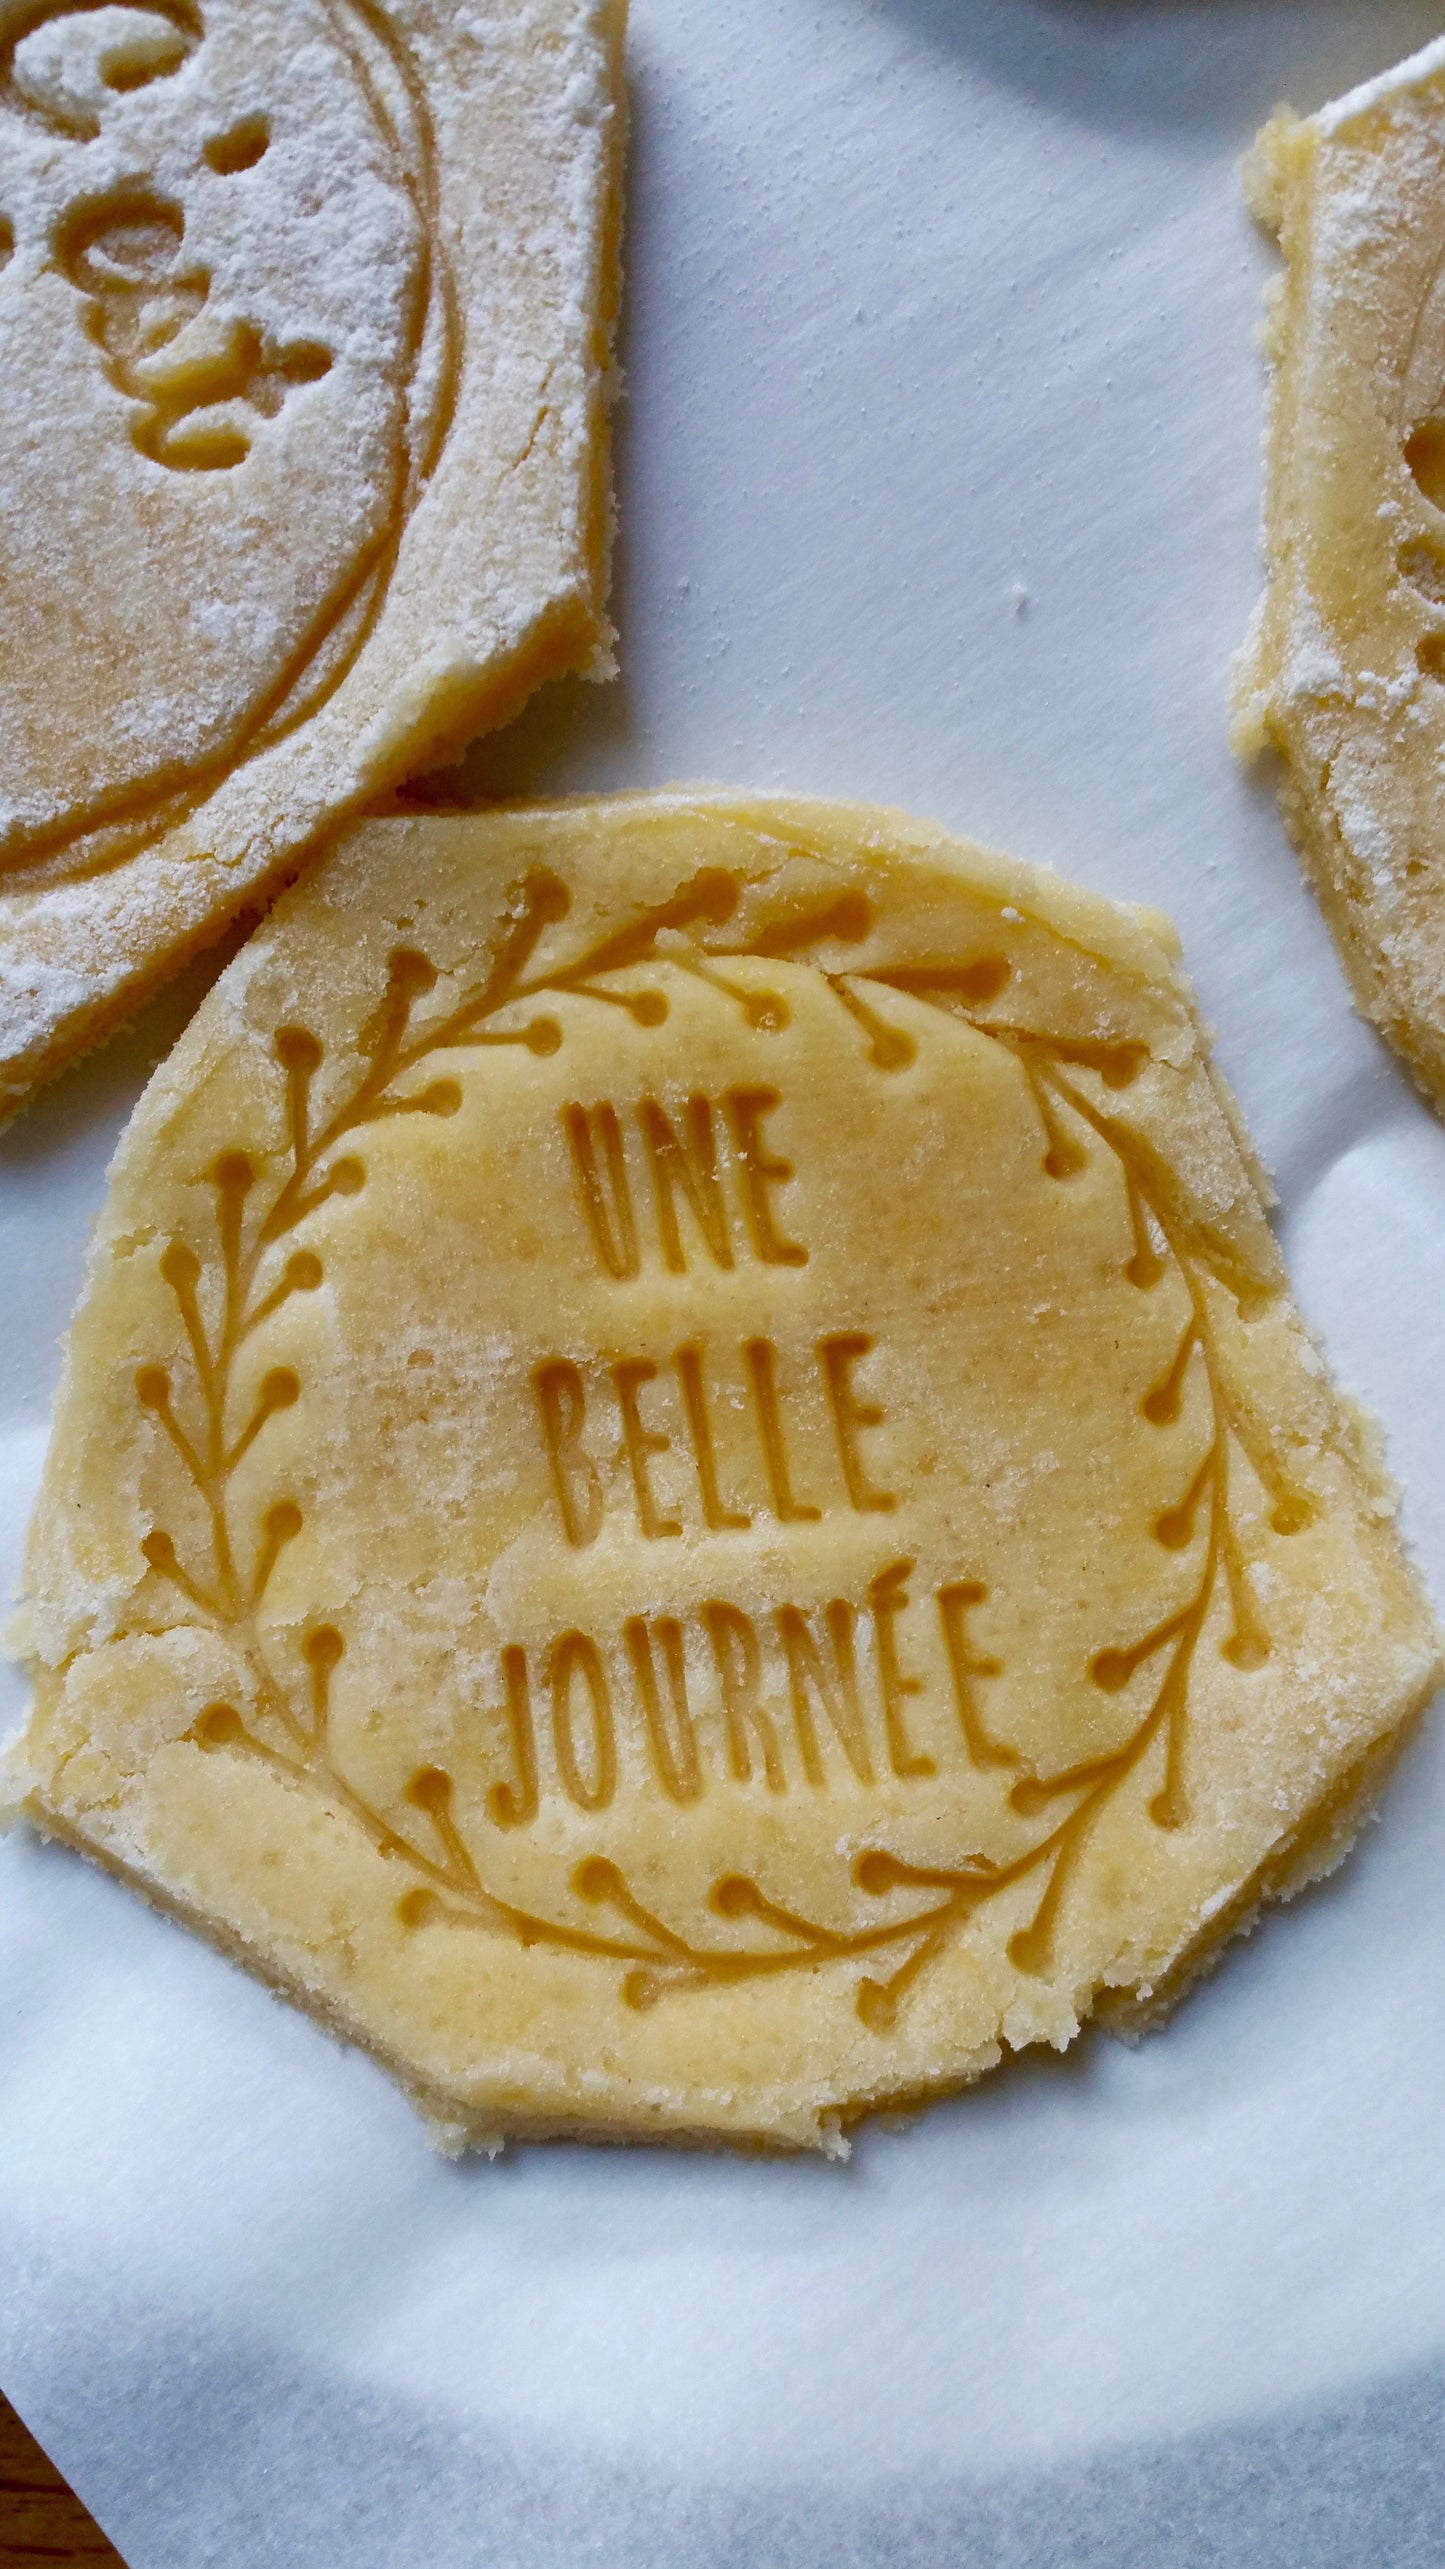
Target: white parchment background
x=940, y=478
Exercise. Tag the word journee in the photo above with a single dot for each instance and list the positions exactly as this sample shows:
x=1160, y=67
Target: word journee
x=814, y=1656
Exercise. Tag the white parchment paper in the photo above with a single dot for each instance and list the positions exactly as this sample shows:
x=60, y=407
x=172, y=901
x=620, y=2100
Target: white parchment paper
x=940, y=480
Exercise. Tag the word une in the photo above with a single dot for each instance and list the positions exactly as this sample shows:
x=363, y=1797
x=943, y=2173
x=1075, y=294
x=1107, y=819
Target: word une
x=815, y=1655
x=686, y=1177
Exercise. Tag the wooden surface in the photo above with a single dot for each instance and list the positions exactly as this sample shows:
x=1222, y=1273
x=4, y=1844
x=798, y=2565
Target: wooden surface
x=39, y=2517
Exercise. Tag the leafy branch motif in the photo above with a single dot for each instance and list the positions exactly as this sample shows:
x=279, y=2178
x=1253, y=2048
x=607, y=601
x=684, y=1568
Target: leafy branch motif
x=210, y=1439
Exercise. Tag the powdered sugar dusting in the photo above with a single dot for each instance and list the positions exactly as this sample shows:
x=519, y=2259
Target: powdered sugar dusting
x=1385, y=87
x=313, y=325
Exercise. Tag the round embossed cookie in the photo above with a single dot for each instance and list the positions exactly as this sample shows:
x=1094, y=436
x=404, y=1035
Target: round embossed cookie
x=687, y=1495
x=304, y=317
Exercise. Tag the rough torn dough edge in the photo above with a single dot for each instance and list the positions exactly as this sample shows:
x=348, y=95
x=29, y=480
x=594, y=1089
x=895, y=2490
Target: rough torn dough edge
x=1277, y=180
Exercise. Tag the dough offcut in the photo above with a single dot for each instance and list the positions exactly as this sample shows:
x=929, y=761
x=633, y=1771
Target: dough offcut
x=1344, y=670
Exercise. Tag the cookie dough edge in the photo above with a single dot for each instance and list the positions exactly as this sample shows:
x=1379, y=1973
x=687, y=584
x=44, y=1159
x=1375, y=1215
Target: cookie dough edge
x=54, y=1011
x=1277, y=176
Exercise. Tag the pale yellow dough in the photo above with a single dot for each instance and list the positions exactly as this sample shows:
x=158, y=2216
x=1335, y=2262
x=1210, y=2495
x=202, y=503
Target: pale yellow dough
x=687, y=1495
x=305, y=321
x=1344, y=671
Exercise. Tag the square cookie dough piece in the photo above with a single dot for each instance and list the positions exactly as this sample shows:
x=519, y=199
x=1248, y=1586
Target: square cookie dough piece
x=306, y=312
x=688, y=1497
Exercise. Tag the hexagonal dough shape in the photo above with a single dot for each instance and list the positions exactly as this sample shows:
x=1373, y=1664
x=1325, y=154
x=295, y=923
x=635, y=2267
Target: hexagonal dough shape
x=687, y=1495
x=305, y=311
x=1344, y=671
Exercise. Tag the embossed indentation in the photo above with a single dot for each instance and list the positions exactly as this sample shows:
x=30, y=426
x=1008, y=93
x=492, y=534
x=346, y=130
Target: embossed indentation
x=240, y=148
x=1162, y=1403
x=686, y=1172
x=761, y=1357
x=1423, y=565
x=581, y=1431
x=1424, y=452
x=61, y=59
x=200, y=384
x=150, y=50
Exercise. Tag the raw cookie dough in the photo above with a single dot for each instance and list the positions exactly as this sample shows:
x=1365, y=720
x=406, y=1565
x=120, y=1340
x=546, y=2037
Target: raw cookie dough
x=1344, y=672
x=305, y=310
x=687, y=1495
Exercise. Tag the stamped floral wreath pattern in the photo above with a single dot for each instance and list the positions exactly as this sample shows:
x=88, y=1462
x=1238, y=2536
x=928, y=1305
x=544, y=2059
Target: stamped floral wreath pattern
x=292, y=1738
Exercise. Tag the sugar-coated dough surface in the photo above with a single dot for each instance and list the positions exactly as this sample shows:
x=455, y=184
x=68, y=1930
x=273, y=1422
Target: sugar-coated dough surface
x=687, y=1494
x=1344, y=672
x=305, y=318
